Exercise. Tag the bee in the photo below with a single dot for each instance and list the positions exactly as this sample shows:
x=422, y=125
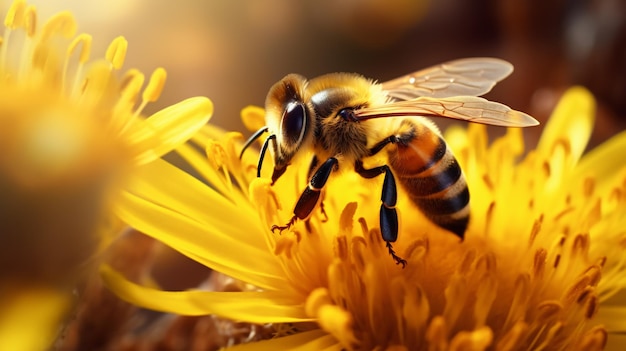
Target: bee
x=345, y=118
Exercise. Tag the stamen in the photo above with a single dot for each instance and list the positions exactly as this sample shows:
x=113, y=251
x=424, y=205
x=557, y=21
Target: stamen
x=535, y=230
x=414, y=311
x=486, y=294
x=557, y=259
x=129, y=91
x=550, y=336
x=30, y=21
x=153, y=90
x=562, y=214
x=547, y=311
x=564, y=143
x=116, y=52
x=594, y=216
x=62, y=24
x=346, y=219
x=13, y=20
x=513, y=337
x=341, y=248
x=456, y=297
x=418, y=249
x=218, y=158
x=364, y=228
x=478, y=339
x=586, y=296
x=155, y=85
x=575, y=290
x=15, y=15
x=131, y=86
x=284, y=245
x=595, y=339
x=358, y=247
x=580, y=246
x=539, y=264
x=316, y=299
x=84, y=41
x=437, y=333
x=521, y=295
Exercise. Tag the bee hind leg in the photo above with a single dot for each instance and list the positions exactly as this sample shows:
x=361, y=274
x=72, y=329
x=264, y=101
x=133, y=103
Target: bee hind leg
x=398, y=259
x=388, y=213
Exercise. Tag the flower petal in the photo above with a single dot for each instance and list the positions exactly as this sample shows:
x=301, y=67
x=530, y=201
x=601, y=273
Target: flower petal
x=571, y=123
x=180, y=216
x=248, y=306
x=313, y=340
x=602, y=162
x=170, y=127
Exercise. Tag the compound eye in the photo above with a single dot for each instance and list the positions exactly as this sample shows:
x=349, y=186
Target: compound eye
x=293, y=123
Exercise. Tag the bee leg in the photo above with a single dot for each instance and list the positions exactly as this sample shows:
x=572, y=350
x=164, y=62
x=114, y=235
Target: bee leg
x=388, y=213
x=312, y=166
x=311, y=194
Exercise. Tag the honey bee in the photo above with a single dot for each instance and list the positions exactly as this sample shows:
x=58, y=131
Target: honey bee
x=344, y=118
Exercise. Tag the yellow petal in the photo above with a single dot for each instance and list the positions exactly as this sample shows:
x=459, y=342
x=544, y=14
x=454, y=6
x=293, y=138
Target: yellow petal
x=170, y=127
x=237, y=259
x=248, y=306
x=571, y=123
x=253, y=117
x=314, y=340
x=602, y=162
x=179, y=210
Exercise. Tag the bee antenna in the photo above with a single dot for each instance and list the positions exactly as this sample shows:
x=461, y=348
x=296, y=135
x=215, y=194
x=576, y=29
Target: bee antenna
x=250, y=140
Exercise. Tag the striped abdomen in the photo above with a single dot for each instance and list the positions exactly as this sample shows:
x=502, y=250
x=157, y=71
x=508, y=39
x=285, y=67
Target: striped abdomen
x=426, y=168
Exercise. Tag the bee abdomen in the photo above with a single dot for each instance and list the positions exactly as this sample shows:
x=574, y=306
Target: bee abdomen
x=433, y=179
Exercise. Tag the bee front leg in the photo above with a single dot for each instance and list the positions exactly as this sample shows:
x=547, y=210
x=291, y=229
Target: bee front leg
x=311, y=194
x=388, y=213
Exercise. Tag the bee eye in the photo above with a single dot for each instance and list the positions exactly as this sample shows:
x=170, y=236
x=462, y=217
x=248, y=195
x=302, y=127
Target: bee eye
x=294, y=122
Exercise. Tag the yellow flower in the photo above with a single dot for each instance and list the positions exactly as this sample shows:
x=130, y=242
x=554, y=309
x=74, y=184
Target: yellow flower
x=542, y=252
x=71, y=131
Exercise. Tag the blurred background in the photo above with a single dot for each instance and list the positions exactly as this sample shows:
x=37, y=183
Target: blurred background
x=233, y=51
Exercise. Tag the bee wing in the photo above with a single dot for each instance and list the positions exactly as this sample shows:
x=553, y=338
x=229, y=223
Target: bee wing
x=465, y=108
x=469, y=76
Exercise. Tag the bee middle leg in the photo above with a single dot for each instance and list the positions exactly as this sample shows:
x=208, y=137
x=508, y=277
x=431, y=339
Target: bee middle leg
x=311, y=194
x=314, y=163
x=388, y=214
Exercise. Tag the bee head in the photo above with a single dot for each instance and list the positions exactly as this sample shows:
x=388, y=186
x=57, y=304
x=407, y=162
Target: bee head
x=289, y=120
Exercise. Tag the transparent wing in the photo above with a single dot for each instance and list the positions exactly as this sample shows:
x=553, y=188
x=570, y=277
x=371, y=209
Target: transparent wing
x=469, y=76
x=466, y=108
